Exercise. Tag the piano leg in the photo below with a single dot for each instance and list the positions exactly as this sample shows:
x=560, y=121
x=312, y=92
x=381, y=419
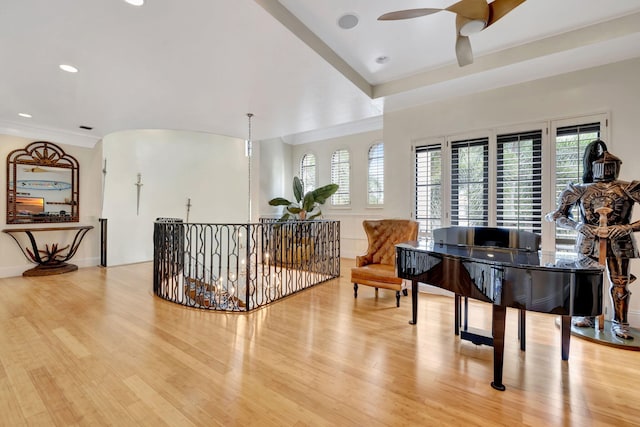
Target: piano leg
x=499, y=316
x=457, y=314
x=522, y=328
x=566, y=336
x=414, y=302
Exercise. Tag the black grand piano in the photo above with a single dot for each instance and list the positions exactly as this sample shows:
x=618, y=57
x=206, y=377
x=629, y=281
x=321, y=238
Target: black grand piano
x=522, y=278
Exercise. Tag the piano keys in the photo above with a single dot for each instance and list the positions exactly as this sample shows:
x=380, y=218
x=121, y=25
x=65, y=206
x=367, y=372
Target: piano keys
x=504, y=277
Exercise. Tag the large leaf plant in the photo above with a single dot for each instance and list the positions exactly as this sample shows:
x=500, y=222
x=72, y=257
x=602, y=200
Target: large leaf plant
x=307, y=205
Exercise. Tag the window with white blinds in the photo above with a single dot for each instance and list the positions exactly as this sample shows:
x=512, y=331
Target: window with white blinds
x=341, y=174
x=469, y=182
x=308, y=172
x=375, y=182
x=428, y=182
x=519, y=181
x=570, y=144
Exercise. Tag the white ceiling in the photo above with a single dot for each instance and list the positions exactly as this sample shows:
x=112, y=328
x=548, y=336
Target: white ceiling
x=203, y=64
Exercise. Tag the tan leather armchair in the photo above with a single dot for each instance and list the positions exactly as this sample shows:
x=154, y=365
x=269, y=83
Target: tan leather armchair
x=377, y=267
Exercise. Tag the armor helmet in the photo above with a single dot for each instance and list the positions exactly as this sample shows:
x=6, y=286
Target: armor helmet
x=606, y=168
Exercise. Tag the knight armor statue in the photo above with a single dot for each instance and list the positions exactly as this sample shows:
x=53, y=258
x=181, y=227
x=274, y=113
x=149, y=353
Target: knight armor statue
x=604, y=226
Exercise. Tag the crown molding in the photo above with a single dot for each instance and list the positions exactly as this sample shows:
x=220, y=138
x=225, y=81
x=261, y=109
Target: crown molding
x=48, y=134
x=360, y=126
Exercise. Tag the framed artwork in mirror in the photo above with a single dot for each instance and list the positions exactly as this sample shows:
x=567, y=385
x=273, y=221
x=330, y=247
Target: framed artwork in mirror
x=42, y=185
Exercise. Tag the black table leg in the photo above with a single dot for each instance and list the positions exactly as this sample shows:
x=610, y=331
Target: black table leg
x=566, y=336
x=414, y=302
x=499, y=315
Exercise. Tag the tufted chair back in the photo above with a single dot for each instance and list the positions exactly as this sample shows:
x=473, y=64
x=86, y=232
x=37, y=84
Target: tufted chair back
x=382, y=236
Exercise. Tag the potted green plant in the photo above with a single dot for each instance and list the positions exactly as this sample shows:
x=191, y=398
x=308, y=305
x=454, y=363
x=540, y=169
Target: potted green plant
x=294, y=244
x=307, y=205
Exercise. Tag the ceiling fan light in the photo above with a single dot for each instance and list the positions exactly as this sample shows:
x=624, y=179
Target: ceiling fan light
x=472, y=27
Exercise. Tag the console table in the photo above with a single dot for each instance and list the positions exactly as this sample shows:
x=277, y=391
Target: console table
x=52, y=259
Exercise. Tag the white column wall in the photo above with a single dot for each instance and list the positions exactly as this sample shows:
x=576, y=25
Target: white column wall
x=209, y=169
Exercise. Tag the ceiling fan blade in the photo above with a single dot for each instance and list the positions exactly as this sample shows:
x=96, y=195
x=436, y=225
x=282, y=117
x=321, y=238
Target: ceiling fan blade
x=407, y=14
x=472, y=9
x=499, y=8
x=463, y=51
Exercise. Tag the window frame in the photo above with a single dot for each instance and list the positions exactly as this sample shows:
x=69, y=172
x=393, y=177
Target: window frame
x=301, y=172
x=369, y=175
x=548, y=129
x=340, y=186
x=549, y=228
x=483, y=141
x=537, y=188
x=430, y=144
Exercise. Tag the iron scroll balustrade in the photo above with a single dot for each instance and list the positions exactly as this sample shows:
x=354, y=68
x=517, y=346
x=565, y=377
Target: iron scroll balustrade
x=241, y=267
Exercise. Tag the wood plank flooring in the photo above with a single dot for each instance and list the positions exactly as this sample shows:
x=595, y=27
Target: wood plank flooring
x=96, y=347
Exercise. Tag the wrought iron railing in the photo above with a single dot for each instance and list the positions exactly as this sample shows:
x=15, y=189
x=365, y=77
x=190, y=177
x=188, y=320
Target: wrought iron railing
x=240, y=267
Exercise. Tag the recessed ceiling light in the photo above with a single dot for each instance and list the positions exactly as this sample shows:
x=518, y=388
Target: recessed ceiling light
x=68, y=68
x=135, y=2
x=382, y=59
x=26, y=115
x=348, y=21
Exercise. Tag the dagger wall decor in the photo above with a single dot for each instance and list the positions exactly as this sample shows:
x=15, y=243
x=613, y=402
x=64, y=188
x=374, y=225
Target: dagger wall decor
x=138, y=184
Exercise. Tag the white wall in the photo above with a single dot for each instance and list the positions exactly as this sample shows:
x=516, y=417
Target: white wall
x=352, y=238
x=612, y=89
x=12, y=261
x=211, y=170
x=276, y=175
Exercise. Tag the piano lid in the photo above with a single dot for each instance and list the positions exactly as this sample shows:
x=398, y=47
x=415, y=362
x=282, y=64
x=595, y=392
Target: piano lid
x=506, y=256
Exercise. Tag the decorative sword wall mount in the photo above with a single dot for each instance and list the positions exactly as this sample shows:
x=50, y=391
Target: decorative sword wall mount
x=138, y=184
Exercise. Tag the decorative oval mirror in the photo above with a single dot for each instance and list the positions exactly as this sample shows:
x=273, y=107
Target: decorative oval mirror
x=42, y=185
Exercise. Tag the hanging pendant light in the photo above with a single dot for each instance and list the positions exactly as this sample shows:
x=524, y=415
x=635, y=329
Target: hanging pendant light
x=248, y=148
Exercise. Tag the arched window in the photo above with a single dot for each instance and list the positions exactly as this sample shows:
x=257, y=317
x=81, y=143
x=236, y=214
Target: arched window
x=375, y=182
x=308, y=172
x=341, y=174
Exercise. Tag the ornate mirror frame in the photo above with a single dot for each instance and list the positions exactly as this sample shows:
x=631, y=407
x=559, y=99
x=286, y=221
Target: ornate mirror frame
x=54, y=196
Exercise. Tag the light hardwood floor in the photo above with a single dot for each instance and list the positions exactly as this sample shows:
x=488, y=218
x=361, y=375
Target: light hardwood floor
x=96, y=347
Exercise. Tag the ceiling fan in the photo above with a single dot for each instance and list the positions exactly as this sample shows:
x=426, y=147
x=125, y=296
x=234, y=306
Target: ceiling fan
x=472, y=16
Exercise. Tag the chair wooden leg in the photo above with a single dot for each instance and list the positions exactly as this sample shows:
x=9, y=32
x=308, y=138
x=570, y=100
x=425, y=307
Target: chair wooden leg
x=355, y=290
x=397, y=298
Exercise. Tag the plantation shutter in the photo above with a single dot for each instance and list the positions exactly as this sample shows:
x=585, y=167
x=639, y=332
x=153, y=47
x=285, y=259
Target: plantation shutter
x=340, y=174
x=571, y=142
x=375, y=185
x=469, y=182
x=428, y=181
x=519, y=181
x=308, y=172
